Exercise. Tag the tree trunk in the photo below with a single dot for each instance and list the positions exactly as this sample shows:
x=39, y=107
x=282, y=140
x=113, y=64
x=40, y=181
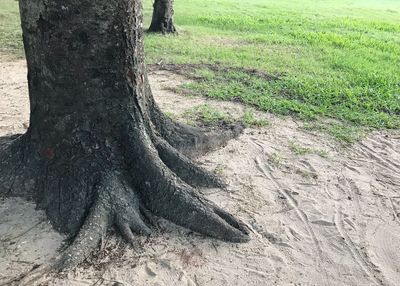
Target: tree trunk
x=162, y=21
x=99, y=152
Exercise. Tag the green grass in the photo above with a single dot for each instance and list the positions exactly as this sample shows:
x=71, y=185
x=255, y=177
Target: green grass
x=344, y=133
x=10, y=30
x=336, y=59
x=207, y=115
x=249, y=119
x=276, y=158
x=302, y=150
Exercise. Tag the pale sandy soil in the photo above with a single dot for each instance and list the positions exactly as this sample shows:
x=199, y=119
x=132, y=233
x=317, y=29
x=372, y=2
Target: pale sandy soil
x=330, y=220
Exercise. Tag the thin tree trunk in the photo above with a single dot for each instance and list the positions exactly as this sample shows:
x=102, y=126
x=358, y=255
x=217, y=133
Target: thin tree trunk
x=99, y=152
x=162, y=21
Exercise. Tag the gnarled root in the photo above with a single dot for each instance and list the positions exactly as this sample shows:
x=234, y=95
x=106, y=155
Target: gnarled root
x=188, y=140
x=194, y=141
x=116, y=204
x=183, y=167
x=167, y=195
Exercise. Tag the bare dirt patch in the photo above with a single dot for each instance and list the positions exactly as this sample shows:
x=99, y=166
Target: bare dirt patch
x=323, y=216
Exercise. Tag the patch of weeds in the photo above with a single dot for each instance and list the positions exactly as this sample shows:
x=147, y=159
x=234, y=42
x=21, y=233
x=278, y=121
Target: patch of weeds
x=344, y=133
x=276, y=158
x=186, y=89
x=322, y=153
x=205, y=73
x=207, y=115
x=170, y=114
x=250, y=120
x=301, y=150
x=219, y=169
x=297, y=149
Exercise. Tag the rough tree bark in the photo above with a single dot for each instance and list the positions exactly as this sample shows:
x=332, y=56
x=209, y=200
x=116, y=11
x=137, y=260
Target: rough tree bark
x=162, y=21
x=99, y=153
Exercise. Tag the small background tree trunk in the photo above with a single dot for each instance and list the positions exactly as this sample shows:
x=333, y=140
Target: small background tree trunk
x=162, y=17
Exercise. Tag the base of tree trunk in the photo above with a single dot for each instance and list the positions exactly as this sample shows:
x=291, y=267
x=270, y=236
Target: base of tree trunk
x=88, y=195
x=162, y=21
x=163, y=28
x=98, y=152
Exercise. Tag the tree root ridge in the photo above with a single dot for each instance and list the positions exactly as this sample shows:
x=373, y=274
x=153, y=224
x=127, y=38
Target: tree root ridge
x=185, y=168
x=115, y=205
x=188, y=140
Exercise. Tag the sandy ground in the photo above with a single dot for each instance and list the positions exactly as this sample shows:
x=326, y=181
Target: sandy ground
x=328, y=217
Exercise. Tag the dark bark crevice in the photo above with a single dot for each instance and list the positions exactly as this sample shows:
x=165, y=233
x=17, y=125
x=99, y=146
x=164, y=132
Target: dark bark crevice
x=99, y=152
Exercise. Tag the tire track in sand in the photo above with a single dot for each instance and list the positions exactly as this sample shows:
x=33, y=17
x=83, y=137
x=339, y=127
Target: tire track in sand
x=379, y=160
x=300, y=214
x=365, y=265
x=396, y=214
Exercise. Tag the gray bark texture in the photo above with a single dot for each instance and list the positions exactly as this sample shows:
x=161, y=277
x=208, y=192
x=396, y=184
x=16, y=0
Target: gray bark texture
x=163, y=13
x=98, y=152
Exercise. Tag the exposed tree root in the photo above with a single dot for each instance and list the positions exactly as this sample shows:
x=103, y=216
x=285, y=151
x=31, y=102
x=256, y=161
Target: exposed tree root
x=195, y=141
x=185, y=168
x=94, y=228
x=115, y=204
x=165, y=194
x=188, y=140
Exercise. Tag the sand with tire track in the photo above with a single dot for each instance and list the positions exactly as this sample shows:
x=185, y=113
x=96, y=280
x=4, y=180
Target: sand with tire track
x=328, y=216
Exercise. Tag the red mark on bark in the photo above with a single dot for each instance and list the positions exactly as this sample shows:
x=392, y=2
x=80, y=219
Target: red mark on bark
x=49, y=153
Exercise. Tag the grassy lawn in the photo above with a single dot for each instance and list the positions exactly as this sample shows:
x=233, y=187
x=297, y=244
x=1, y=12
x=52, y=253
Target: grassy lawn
x=10, y=30
x=337, y=59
